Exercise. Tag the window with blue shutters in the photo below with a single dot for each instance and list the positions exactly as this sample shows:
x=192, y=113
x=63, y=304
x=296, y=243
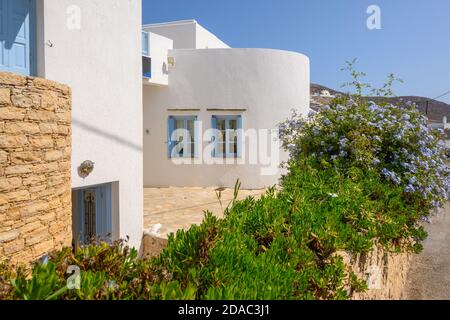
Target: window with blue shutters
x=227, y=137
x=182, y=142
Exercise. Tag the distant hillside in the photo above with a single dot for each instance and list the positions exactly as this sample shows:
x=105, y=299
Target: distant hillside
x=321, y=95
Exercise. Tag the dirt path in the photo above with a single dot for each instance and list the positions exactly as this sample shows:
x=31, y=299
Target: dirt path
x=429, y=276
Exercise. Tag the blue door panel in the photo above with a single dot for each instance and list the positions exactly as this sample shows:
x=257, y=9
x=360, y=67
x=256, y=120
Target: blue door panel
x=2, y=33
x=17, y=36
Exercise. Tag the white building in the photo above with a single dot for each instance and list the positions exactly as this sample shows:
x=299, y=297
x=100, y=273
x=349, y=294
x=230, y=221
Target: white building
x=127, y=105
x=196, y=78
x=444, y=125
x=93, y=46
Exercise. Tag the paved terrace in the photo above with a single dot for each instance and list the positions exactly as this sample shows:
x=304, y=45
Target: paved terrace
x=180, y=208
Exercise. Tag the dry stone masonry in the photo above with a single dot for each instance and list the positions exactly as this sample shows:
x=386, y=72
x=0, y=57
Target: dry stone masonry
x=35, y=150
x=384, y=272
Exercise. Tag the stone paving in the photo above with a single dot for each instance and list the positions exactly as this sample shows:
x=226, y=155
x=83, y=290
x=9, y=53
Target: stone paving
x=180, y=208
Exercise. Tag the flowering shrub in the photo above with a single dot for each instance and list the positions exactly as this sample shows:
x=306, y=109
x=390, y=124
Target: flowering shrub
x=390, y=140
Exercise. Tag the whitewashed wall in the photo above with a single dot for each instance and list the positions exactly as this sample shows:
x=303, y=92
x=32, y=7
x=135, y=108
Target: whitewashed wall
x=267, y=83
x=186, y=34
x=159, y=51
x=101, y=61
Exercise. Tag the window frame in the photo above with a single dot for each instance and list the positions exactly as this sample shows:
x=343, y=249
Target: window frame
x=226, y=141
x=172, y=144
x=146, y=59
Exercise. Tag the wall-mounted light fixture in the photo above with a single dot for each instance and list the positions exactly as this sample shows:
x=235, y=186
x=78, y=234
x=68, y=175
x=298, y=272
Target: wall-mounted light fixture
x=171, y=62
x=85, y=168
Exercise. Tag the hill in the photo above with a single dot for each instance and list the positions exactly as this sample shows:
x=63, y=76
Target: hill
x=321, y=95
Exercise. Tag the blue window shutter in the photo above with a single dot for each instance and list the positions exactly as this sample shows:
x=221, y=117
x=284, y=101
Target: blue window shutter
x=240, y=139
x=197, y=139
x=170, y=130
x=81, y=212
x=214, y=136
x=103, y=212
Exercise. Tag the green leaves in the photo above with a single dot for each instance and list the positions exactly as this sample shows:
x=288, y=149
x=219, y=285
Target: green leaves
x=284, y=245
x=43, y=285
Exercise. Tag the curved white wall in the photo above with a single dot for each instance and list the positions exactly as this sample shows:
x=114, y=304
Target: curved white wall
x=266, y=83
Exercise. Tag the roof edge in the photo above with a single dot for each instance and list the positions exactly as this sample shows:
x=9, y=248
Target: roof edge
x=176, y=22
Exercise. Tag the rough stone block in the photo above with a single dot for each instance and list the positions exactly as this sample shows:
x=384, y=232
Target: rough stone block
x=21, y=101
x=13, y=79
x=10, y=183
x=53, y=155
x=11, y=113
x=29, y=227
x=41, y=115
x=49, y=101
x=33, y=180
x=25, y=157
x=18, y=170
x=17, y=196
x=9, y=236
x=33, y=209
x=44, y=247
x=48, y=127
x=13, y=141
x=21, y=127
x=5, y=96
x=14, y=247
x=3, y=156
x=41, y=141
x=39, y=235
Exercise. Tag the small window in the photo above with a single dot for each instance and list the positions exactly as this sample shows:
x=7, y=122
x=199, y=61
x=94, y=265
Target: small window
x=145, y=44
x=146, y=67
x=182, y=132
x=227, y=138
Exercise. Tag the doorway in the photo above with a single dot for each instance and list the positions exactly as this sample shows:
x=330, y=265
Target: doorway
x=17, y=36
x=92, y=215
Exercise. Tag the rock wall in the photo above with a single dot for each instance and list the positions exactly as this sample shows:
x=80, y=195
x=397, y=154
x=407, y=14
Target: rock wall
x=152, y=246
x=384, y=272
x=35, y=183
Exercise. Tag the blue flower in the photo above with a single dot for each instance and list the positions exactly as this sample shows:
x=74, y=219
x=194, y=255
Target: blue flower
x=343, y=142
x=311, y=114
x=377, y=138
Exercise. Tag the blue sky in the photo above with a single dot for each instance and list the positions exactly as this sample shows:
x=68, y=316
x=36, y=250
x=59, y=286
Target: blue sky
x=414, y=42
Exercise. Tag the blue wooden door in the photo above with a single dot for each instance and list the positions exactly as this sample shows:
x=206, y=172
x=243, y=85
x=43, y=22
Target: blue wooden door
x=17, y=34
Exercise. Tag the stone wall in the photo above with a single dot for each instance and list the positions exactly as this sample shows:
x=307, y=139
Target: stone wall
x=35, y=184
x=384, y=272
x=152, y=246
